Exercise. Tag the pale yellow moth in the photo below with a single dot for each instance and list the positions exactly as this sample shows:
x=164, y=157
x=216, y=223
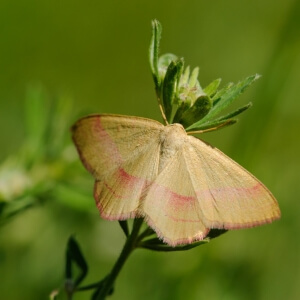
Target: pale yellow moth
x=182, y=186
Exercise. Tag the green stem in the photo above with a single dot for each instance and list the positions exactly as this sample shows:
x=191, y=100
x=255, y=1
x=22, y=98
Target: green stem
x=147, y=232
x=129, y=246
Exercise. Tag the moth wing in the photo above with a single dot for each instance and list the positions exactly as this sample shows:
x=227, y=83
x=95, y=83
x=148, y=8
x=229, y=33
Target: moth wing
x=228, y=195
x=122, y=153
x=201, y=188
x=171, y=207
x=105, y=142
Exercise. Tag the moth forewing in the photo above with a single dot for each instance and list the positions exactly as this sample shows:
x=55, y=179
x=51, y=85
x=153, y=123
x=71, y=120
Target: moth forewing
x=122, y=154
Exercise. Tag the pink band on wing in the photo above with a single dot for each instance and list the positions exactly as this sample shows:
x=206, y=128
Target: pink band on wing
x=227, y=192
x=107, y=142
x=175, y=201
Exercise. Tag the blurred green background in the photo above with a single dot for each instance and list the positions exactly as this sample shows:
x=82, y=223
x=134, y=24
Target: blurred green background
x=96, y=53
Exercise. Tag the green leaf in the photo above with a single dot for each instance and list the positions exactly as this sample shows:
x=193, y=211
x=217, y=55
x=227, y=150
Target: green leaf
x=185, y=76
x=164, y=62
x=180, y=65
x=154, y=50
x=157, y=245
x=234, y=113
x=218, y=95
x=221, y=100
x=194, y=78
x=212, y=88
x=230, y=95
x=211, y=124
x=183, y=106
x=74, y=255
x=219, y=121
x=146, y=233
x=197, y=111
x=170, y=83
x=214, y=233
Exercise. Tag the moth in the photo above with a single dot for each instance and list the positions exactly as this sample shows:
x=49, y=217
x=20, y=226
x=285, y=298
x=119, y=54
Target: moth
x=179, y=184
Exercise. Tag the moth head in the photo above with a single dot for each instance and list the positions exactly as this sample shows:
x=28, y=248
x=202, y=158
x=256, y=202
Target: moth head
x=172, y=134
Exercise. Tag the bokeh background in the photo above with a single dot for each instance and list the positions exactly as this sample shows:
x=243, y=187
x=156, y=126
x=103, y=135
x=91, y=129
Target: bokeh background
x=95, y=54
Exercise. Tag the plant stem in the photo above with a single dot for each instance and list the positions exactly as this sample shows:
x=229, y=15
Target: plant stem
x=129, y=246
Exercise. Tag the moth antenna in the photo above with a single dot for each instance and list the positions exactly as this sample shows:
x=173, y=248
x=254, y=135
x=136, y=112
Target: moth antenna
x=210, y=129
x=162, y=111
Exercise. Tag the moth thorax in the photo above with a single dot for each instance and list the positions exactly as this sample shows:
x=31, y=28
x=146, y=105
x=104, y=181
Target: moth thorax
x=171, y=140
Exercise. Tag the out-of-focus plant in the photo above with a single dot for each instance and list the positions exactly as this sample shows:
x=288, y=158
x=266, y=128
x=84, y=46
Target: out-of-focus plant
x=45, y=166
